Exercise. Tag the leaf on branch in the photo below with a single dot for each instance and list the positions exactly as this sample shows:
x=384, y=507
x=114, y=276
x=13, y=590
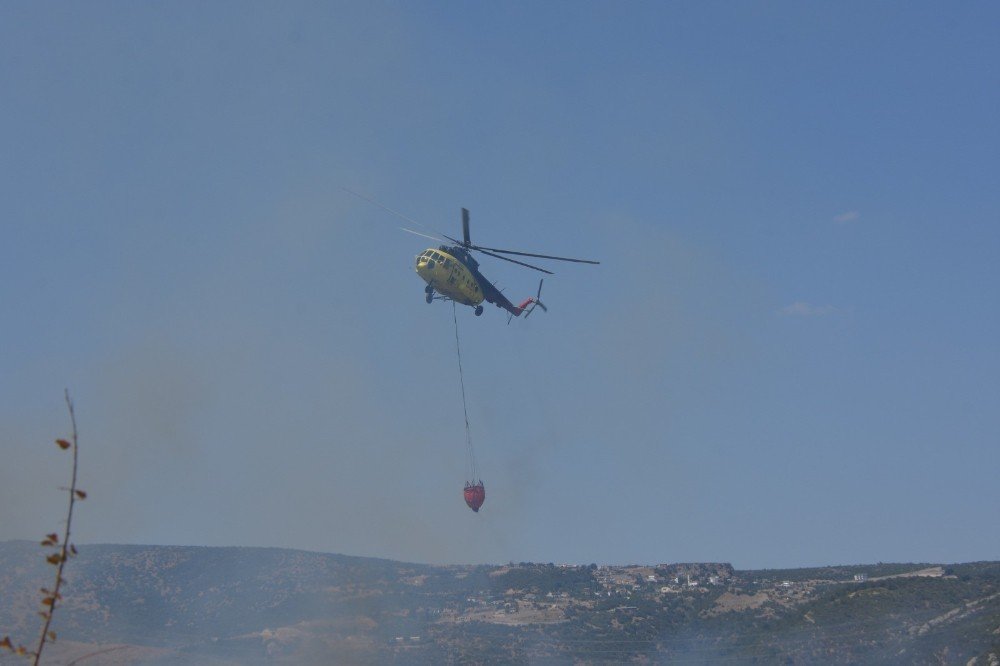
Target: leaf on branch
x=48, y=601
x=81, y=495
x=48, y=542
x=63, y=444
x=55, y=558
x=5, y=643
x=52, y=635
x=44, y=616
x=21, y=650
x=72, y=549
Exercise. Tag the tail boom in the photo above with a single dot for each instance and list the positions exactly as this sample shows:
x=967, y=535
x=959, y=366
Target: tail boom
x=527, y=306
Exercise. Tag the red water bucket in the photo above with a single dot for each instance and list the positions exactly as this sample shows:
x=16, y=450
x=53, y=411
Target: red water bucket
x=475, y=495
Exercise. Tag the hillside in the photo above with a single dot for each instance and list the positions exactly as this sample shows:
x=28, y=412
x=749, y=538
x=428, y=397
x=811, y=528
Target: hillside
x=173, y=605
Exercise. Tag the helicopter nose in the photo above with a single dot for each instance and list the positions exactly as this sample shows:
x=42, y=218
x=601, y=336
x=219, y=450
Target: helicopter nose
x=424, y=268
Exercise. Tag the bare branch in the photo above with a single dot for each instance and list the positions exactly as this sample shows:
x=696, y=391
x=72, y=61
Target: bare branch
x=66, y=549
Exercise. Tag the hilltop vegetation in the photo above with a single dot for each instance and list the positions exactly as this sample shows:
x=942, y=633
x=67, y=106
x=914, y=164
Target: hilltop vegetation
x=172, y=605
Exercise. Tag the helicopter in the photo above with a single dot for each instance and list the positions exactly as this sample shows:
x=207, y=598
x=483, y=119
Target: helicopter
x=452, y=273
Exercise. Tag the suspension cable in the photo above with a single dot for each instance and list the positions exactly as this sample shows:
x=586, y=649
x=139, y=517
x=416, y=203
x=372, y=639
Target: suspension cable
x=470, y=453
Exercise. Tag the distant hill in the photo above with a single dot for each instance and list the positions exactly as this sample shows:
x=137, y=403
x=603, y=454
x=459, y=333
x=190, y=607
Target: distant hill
x=195, y=605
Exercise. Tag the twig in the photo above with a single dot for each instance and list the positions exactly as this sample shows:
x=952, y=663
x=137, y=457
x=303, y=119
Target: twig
x=67, y=548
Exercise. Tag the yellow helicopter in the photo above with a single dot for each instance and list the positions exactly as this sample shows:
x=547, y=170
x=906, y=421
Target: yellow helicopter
x=452, y=273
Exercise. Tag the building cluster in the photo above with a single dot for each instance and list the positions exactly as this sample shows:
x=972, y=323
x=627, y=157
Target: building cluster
x=662, y=579
x=620, y=583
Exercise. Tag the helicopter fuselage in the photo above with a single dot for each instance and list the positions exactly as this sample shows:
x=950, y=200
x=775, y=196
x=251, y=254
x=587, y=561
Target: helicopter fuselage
x=446, y=274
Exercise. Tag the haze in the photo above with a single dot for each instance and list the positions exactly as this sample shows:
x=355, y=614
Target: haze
x=787, y=357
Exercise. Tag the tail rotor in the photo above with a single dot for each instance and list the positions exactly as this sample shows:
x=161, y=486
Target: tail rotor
x=536, y=301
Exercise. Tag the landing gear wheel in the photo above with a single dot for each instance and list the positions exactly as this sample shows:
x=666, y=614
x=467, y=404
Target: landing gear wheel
x=428, y=289
x=430, y=296
x=479, y=310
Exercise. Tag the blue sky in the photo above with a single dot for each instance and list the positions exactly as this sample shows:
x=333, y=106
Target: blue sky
x=787, y=357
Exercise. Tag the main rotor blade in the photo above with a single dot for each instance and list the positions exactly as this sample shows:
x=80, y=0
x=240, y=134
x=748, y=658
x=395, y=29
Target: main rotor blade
x=513, y=261
x=465, y=227
x=531, y=254
x=417, y=233
x=386, y=208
